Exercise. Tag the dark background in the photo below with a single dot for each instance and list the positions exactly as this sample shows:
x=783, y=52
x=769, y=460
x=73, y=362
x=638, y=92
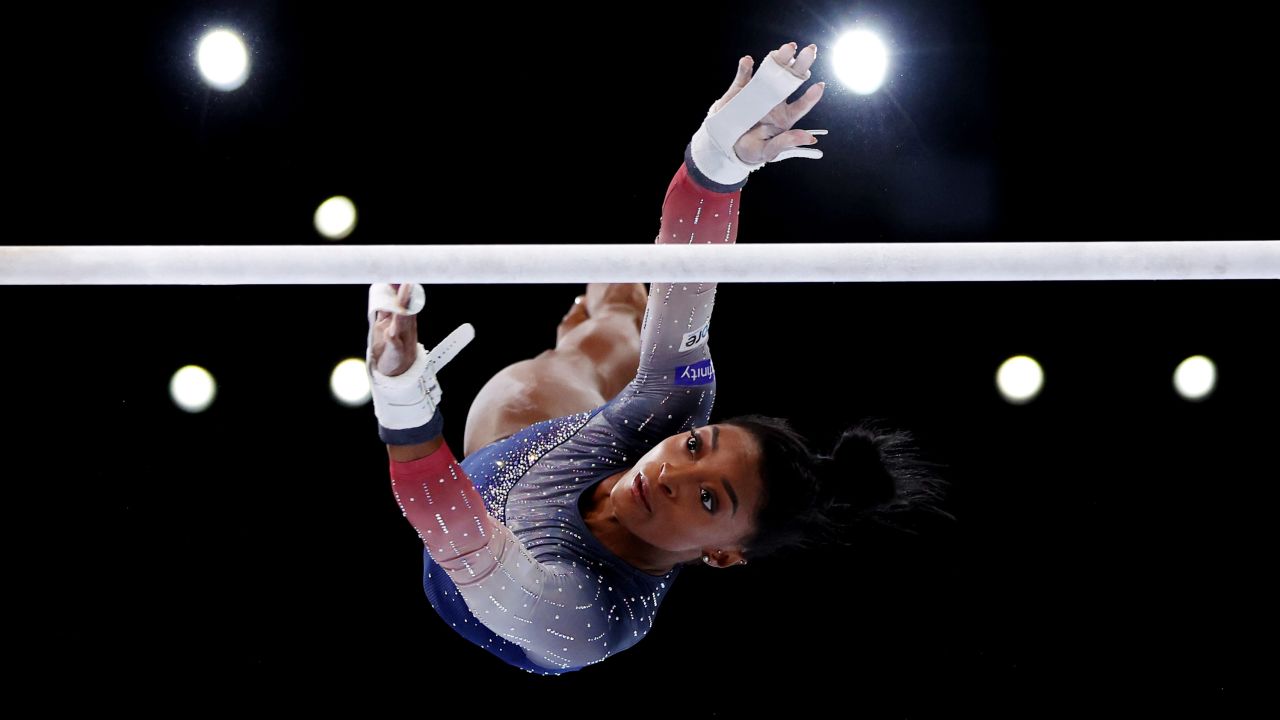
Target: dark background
x=1111, y=538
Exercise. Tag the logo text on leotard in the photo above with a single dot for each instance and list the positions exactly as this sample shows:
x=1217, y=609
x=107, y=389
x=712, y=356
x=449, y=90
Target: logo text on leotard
x=699, y=373
x=697, y=338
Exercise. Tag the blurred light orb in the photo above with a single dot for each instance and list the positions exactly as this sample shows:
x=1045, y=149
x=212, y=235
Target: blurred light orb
x=1020, y=379
x=192, y=388
x=860, y=60
x=223, y=60
x=349, y=382
x=336, y=217
x=1195, y=378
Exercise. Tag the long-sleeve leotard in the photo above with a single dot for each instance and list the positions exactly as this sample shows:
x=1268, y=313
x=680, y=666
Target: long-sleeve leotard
x=509, y=561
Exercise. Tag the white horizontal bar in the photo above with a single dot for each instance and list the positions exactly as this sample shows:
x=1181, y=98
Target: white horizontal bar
x=801, y=262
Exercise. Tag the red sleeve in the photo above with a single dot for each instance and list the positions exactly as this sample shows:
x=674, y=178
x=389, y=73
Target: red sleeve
x=440, y=502
x=693, y=214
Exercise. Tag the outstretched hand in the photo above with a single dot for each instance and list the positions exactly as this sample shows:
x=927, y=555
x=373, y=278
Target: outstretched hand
x=772, y=135
x=395, y=336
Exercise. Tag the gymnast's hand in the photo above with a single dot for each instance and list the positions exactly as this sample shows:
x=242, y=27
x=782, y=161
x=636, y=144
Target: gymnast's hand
x=751, y=124
x=772, y=135
x=395, y=337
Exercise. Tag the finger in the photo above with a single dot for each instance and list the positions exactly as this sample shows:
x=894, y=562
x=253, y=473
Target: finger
x=740, y=81
x=805, y=103
x=804, y=60
x=784, y=55
x=745, y=63
x=405, y=324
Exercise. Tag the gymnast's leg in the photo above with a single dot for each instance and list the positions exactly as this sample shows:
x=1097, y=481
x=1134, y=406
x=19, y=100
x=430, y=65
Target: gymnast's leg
x=596, y=354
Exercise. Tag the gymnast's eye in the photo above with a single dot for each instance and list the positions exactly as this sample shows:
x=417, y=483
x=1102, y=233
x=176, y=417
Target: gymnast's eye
x=708, y=500
x=693, y=443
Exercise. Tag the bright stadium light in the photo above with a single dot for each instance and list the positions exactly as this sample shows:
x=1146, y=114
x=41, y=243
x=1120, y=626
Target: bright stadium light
x=336, y=217
x=1020, y=379
x=349, y=382
x=192, y=388
x=223, y=60
x=860, y=60
x=1195, y=378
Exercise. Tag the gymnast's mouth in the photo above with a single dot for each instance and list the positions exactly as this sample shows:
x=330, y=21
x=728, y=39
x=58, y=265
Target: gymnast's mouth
x=641, y=491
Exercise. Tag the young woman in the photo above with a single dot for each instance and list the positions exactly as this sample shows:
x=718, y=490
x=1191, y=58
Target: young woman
x=591, y=475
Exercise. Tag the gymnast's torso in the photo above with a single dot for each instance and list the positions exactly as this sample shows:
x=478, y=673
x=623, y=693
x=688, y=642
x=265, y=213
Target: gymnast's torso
x=536, y=481
x=527, y=580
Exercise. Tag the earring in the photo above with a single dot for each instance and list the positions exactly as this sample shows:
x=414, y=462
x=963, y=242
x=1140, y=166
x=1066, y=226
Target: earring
x=706, y=559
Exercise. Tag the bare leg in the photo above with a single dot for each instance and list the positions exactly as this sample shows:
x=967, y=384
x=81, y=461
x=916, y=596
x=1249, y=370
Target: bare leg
x=597, y=352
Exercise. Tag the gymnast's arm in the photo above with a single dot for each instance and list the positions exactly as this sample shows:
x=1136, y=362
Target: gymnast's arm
x=549, y=608
x=749, y=126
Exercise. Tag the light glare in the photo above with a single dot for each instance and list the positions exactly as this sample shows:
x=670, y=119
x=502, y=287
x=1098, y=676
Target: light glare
x=192, y=388
x=860, y=60
x=223, y=60
x=336, y=217
x=1195, y=378
x=349, y=382
x=1020, y=379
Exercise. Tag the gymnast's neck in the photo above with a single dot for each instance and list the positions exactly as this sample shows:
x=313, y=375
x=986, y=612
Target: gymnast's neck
x=598, y=514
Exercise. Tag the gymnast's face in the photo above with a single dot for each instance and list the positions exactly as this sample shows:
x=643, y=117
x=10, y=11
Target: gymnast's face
x=694, y=493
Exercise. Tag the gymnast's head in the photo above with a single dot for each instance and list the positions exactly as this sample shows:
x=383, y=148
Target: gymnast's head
x=750, y=486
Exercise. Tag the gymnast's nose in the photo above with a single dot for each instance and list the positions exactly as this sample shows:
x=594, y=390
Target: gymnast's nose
x=669, y=480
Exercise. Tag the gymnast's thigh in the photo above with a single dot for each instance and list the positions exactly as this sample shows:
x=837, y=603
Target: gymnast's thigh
x=551, y=385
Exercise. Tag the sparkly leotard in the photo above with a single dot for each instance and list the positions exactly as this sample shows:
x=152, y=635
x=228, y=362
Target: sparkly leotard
x=510, y=563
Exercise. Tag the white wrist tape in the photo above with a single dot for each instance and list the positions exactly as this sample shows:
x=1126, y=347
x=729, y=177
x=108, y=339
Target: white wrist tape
x=409, y=400
x=712, y=146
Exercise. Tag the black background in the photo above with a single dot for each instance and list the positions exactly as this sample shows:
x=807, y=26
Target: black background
x=1111, y=537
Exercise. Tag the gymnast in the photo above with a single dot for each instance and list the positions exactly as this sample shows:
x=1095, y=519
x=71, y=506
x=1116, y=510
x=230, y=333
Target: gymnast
x=591, y=476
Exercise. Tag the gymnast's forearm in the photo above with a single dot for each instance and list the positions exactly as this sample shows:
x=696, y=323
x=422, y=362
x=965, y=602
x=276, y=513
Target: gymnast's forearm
x=693, y=213
x=440, y=502
x=677, y=318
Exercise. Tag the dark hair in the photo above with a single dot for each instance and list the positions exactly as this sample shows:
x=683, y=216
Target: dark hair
x=874, y=474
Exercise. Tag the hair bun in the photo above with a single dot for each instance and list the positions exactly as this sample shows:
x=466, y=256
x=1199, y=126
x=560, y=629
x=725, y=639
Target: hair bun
x=857, y=461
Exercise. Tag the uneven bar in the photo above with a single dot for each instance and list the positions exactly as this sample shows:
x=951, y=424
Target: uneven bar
x=519, y=264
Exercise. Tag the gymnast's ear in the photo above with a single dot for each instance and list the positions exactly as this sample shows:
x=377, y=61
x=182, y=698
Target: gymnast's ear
x=720, y=558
